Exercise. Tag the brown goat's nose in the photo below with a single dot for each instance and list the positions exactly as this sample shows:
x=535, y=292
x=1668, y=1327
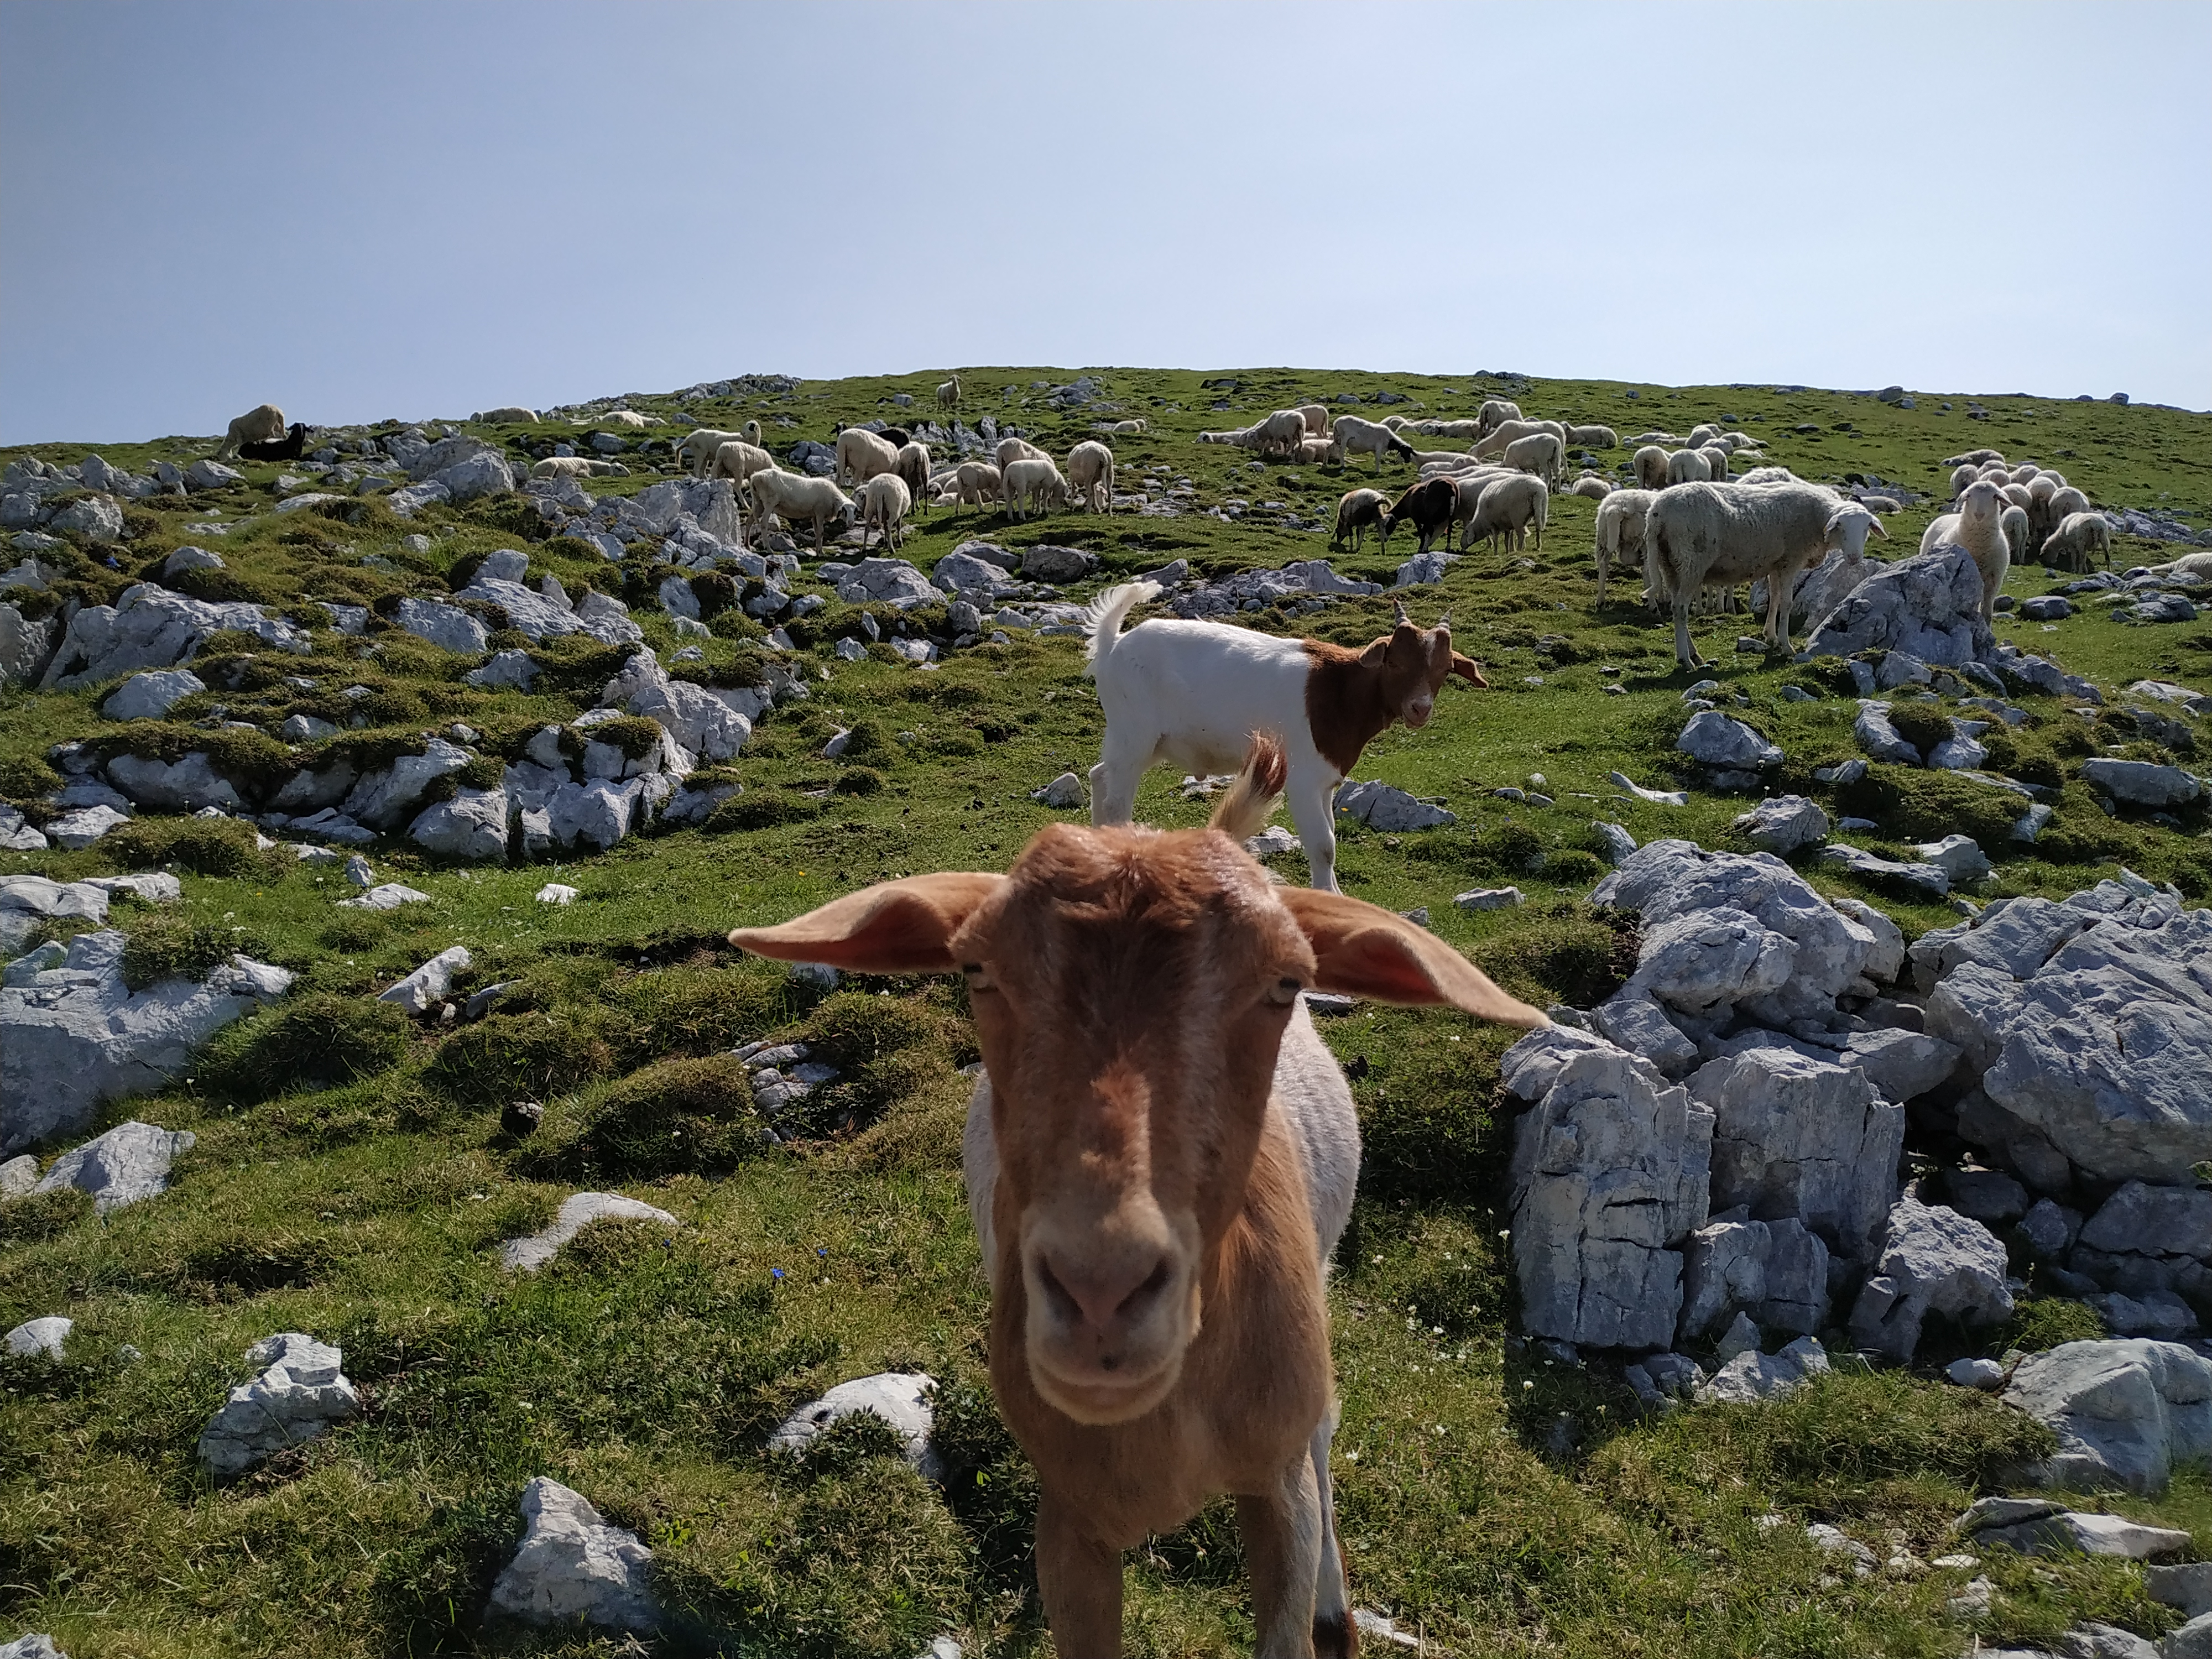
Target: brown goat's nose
x=1104, y=1297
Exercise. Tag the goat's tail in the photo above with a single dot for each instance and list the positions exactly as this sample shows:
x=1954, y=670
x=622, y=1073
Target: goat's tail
x=1102, y=621
x=1259, y=786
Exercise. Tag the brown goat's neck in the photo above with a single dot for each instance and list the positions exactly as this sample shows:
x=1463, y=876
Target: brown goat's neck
x=1345, y=706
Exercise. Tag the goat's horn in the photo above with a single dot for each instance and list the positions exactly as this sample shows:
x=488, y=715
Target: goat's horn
x=1399, y=607
x=1444, y=621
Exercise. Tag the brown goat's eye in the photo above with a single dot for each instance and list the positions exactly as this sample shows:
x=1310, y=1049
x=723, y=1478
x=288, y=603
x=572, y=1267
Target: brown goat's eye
x=1284, y=992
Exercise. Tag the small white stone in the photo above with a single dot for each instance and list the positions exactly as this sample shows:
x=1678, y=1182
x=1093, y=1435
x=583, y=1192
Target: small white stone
x=555, y=892
x=44, y=1336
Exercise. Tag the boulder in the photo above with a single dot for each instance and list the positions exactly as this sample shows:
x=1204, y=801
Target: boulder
x=887, y=582
x=430, y=983
x=2189, y=1588
x=1929, y=605
x=387, y=799
x=1923, y=877
x=189, y=785
x=1704, y=962
x=472, y=826
x=1989, y=1196
x=1753, y=1376
x=27, y=645
x=46, y=1336
x=961, y=572
x=27, y=901
x=1776, y=1272
x=507, y=670
x=1881, y=739
x=446, y=626
x=2192, y=1641
x=600, y=811
x=149, y=696
x=1608, y=1178
x=1936, y=1261
x=212, y=475
x=2050, y=1228
x=1385, y=807
x=128, y=1162
x=546, y=611
x=79, y=829
x=36, y=1645
x=710, y=725
x=574, y=1568
x=1057, y=564
x=902, y=1398
x=150, y=627
x=1958, y=858
x=1783, y=824
x=1063, y=793
x=75, y=1036
x=389, y=896
x=578, y=1211
x=1712, y=738
x=300, y=1395
x=1798, y=1138
x=1634, y=1022
x=1488, y=898
x=2066, y=1532
x=2126, y=1410
x=2140, y=783
x=1616, y=841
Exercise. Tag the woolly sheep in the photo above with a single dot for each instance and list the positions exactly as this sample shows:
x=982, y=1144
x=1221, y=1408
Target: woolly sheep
x=2065, y=502
x=1353, y=435
x=2013, y=522
x=793, y=496
x=885, y=500
x=751, y=433
x=2058, y=479
x=1592, y=437
x=1493, y=442
x=1397, y=423
x=1736, y=441
x=1590, y=487
x=2188, y=564
x=948, y=393
x=1717, y=461
x=2025, y=473
x=1699, y=534
x=1357, y=510
x=509, y=415
x=1664, y=440
x=265, y=425
x=1650, y=467
x=1974, y=458
x=2040, y=489
x=1960, y=477
x=1978, y=526
x=1120, y=429
x=1316, y=416
x=1468, y=429
x=2017, y=495
x=1442, y=458
x=1284, y=431
x=1702, y=435
x=1031, y=480
x=1688, y=466
x=696, y=452
x=1505, y=509
x=577, y=466
x=2079, y=535
x=1769, y=475
x=1318, y=452
x=1011, y=449
x=1539, y=453
x=739, y=459
x=861, y=455
x=912, y=465
x=1091, y=471
x=629, y=419
x=1468, y=485
x=1882, y=504
x=1494, y=413
x=1620, y=529
x=975, y=484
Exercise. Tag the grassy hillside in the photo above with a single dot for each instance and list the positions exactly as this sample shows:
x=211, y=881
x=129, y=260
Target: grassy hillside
x=353, y=1178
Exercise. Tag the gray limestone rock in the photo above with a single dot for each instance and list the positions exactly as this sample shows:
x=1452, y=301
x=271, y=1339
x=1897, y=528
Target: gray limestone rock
x=300, y=1395
x=1385, y=807
x=1776, y=1272
x=1057, y=564
x=902, y=1398
x=128, y=1162
x=1753, y=1376
x=1609, y=1172
x=1714, y=739
x=1062, y=793
x=578, y=1211
x=1618, y=844
x=1927, y=878
x=2071, y=1532
x=1989, y=1196
x=472, y=826
x=150, y=695
x=574, y=1568
x=507, y=670
x=887, y=582
x=1639, y=1025
x=1881, y=739
x=2050, y=1228
x=1783, y=824
x=446, y=626
x=188, y=784
x=430, y=983
x=46, y=1336
x=150, y=627
x=709, y=724
x=387, y=799
x=961, y=572
x=2189, y=1588
x=27, y=900
x=1929, y=605
x=1936, y=1261
x=2140, y=783
x=2154, y=1221
x=389, y=896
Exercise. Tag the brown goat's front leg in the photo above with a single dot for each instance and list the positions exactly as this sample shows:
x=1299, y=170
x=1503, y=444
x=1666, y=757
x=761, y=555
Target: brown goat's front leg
x=1080, y=1580
x=1282, y=1539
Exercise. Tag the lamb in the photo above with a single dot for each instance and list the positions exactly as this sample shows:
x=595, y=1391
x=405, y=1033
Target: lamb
x=948, y=394
x=265, y=425
x=1651, y=465
x=1011, y=449
x=1590, y=487
x=1506, y=507
x=1353, y=435
x=577, y=466
x=1429, y=506
x=1978, y=527
x=1031, y=481
x=1620, y=529
x=1131, y=1160
x=885, y=500
x=861, y=455
x=1318, y=452
x=2188, y=564
x=739, y=461
x=1688, y=466
x=1592, y=437
x=1539, y=453
x=696, y=452
x=975, y=484
x=1698, y=535
x=1091, y=471
x=912, y=465
x=286, y=449
x=1494, y=413
x=1191, y=692
x=792, y=497
x=2075, y=538
x=1315, y=415
x=1357, y=510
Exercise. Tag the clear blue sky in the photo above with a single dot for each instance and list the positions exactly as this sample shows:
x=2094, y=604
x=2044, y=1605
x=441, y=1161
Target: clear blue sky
x=375, y=210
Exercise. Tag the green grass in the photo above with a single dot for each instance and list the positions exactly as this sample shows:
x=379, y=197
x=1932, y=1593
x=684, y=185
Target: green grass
x=353, y=1178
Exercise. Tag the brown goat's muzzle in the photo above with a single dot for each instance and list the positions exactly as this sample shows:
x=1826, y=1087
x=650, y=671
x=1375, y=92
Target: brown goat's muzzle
x=1112, y=1304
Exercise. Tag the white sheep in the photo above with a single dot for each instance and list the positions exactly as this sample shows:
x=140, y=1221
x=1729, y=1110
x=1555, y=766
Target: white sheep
x=1704, y=433
x=751, y=433
x=1493, y=441
x=975, y=484
x=948, y=394
x=739, y=461
x=1974, y=458
x=509, y=415
x=1120, y=429
x=1318, y=452
x=2017, y=495
x=1451, y=459
x=885, y=500
x=1592, y=437
x=1962, y=476
x=2065, y=502
x=861, y=455
x=1494, y=413
x=912, y=465
x=2079, y=535
x=1699, y=534
x=1011, y=449
x=1468, y=485
x=1688, y=466
x=2013, y=522
x=1978, y=526
x=265, y=425
x=1033, y=481
x=1506, y=507
x=1353, y=435
x=1466, y=429
x=697, y=451
x=793, y=496
x=629, y=419
x=1621, y=530
x=577, y=466
x=1539, y=453
x=1090, y=472
x=2025, y=473
x=1767, y=474
x=1717, y=461
x=1650, y=465
x=1397, y=423
x=1315, y=415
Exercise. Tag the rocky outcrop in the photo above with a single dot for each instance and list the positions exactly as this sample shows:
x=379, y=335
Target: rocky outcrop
x=150, y=627
x=1933, y=1260
x=1929, y=606
x=2126, y=1411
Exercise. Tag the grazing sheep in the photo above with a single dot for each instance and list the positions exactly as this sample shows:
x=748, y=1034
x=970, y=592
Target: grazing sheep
x=975, y=484
x=1505, y=509
x=1429, y=507
x=1318, y=452
x=2076, y=537
x=1962, y=476
x=1283, y=431
x=1704, y=433
x=1592, y=437
x=1620, y=529
x=696, y=452
x=1651, y=465
x=1315, y=415
x=912, y=465
x=289, y=448
x=2025, y=473
x=1699, y=534
x=2017, y=495
x=1882, y=504
x=265, y=425
x=1468, y=484
x=2065, y=502
x=1091, y=471
x=1494, y=414
x=885, y=500
x=1031, y=480
x=793, y=496
x=1767, y=474
x=1353, y=435
x=739, y=461
x=1357, y=510
x=629, y=419
x=1493, y=442
x=1466, y=430
x=1397, y=423
x=1157, y=1182
x=1011, y=449
x=861, y=455
x=948, y=394
x=2058, y=479
x=1688, y=466
x=509, y=415
x=1978, y=526
x=1591, y=487
x=1538, y=453
x=1717, y=461
x=1192, y=693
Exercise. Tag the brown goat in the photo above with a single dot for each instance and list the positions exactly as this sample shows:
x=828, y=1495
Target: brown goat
x=1160, y=1158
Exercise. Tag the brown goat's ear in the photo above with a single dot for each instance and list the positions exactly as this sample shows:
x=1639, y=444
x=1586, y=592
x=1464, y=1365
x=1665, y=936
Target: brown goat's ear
x=1365, y=951
x=894, y=927
x=1467, y=669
